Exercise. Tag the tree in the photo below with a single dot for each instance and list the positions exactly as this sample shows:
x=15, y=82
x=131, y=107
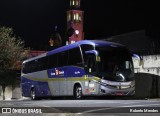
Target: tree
x=55, y=39
x=8, y=77
x=10, y=53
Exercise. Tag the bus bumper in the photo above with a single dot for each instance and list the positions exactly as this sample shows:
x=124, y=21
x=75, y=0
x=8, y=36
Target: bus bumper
x=117, y=92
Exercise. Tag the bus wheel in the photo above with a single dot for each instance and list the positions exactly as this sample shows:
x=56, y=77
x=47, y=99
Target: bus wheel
x=78, y=92
x=33, y=94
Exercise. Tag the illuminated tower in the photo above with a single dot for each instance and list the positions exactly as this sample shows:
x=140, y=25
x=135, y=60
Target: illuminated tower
x=75, y=21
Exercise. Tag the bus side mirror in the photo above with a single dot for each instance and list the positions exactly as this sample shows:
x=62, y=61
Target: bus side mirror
x=140, y=60
x=98, y=58
x=86, y=67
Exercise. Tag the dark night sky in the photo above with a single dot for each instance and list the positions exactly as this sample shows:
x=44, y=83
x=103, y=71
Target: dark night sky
x=34, y=20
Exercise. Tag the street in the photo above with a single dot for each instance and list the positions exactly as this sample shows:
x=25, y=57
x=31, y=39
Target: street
x=86, y=105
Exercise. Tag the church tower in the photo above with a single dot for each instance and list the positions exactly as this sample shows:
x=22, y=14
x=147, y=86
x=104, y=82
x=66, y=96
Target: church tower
x=75, y=21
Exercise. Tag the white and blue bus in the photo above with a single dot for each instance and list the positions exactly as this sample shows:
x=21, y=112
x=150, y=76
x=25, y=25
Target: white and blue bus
x=85, y=68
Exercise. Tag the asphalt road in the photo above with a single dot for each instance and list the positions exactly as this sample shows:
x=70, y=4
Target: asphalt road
x=87, y=105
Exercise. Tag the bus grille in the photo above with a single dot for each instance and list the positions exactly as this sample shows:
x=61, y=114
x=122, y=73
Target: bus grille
x=119, y=87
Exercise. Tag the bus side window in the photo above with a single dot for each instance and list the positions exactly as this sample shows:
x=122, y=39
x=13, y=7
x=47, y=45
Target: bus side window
x=24, y=68
x=27, y=68
x=30, y=66
x=75, y=57
x=43, y=63
x=52, y=61
x=63, y=59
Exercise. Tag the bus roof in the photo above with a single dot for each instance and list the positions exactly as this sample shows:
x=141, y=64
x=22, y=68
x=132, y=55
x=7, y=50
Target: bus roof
x=95, y=43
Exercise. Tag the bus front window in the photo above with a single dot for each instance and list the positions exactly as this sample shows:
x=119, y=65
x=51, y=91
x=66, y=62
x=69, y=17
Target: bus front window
x=116, y=64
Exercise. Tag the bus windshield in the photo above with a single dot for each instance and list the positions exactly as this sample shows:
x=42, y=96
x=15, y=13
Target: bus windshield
x=115, y=61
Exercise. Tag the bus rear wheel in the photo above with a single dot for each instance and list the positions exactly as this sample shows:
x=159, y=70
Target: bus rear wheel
x=33, y=94
x=78, y=92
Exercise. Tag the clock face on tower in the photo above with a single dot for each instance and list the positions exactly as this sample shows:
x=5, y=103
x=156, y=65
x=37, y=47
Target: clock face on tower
x=75, y=20
x=77, y=32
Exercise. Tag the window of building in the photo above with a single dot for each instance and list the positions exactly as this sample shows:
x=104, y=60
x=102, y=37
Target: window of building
x=69, y=17
x=70, y=2
x=74, y=17
x=77, y=17
x=73, y=2
x=77, y=3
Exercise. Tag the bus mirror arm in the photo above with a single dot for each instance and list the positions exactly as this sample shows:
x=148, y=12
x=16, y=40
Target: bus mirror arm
x=140, y=59
x=86, y=68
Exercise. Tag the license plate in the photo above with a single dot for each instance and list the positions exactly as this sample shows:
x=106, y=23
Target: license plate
x=119, y=93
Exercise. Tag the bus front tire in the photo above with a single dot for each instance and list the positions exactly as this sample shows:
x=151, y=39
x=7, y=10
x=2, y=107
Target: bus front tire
x=78, y=92
x=33, y=94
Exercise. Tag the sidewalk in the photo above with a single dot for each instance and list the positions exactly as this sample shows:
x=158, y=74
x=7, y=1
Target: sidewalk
x=14, y=99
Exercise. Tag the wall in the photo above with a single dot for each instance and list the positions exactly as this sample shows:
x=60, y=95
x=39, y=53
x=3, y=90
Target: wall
x=1, y=97
x=16, y=91
x=8, y=93
x=11, y=92
x=150, y=64
x=147, y=76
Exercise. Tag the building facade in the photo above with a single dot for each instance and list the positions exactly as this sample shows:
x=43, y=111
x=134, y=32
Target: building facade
x=75, y=21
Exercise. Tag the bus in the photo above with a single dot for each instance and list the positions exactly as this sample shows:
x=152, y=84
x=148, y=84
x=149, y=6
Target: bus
x=84, y=68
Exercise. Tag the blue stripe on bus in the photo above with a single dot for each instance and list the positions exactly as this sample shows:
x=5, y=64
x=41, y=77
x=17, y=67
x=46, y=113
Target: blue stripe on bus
x=42, y=88
x=66, y=71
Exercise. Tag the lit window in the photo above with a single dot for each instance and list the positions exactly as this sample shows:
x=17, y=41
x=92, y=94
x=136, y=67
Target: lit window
x=77, y=16
x=73, y=2
x=74, y=16
x=69, y=17
x=72, y=42
x=70, y=2
x=77, y=3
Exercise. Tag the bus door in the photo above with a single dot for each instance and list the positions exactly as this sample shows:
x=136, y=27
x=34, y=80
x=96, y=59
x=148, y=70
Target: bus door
x=92, y=70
